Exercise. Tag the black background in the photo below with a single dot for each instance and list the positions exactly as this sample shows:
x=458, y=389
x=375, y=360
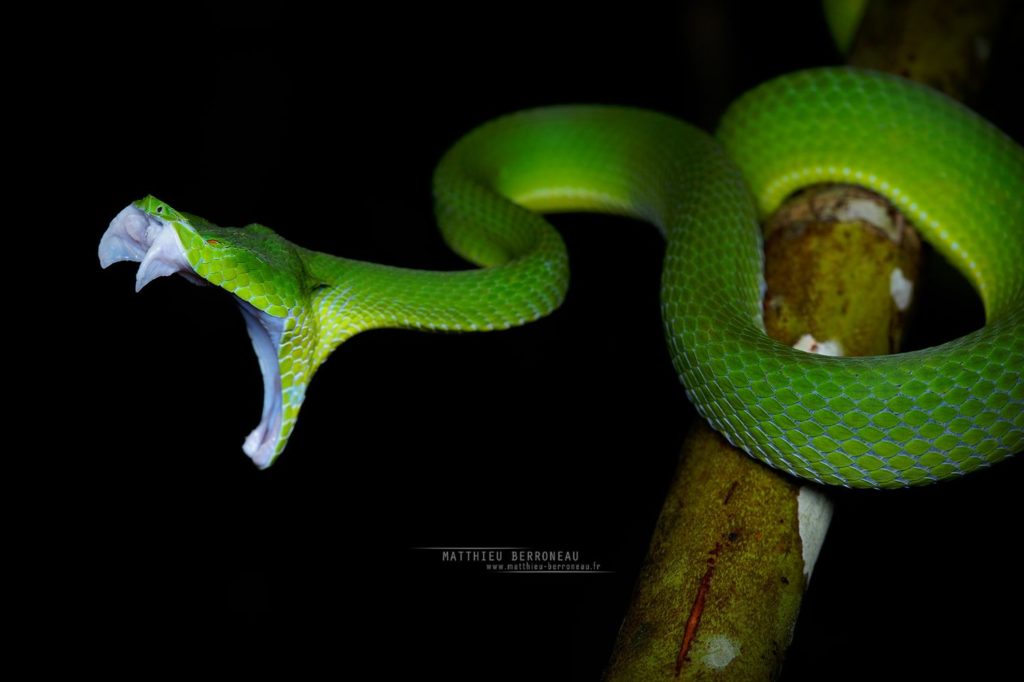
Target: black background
x=560, y=435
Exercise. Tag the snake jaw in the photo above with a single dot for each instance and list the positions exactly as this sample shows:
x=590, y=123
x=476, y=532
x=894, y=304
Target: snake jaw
x=265, y=332
x=137, y=236
x=134, y=235
x=125, y=239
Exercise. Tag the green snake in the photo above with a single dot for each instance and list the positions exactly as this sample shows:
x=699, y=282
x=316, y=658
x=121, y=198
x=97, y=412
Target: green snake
x=886, y=421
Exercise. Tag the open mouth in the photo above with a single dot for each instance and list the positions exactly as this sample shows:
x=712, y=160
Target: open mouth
x=139, y=237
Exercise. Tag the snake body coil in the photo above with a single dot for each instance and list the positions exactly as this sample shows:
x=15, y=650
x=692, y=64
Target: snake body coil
x=883, y=421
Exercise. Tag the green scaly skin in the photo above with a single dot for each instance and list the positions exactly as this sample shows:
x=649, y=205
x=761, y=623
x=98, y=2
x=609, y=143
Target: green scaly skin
x=866, y=422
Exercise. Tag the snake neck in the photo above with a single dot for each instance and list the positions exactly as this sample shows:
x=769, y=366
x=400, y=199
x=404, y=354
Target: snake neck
x=355, y=296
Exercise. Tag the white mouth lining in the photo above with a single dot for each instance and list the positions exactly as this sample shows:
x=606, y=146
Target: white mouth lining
x=265, y=331
x=134, y=235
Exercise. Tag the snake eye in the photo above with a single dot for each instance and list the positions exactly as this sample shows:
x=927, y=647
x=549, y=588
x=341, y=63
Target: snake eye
x=160, y=209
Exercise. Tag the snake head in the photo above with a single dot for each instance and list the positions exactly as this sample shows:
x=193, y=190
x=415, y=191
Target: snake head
x=264, y=273
x=143, y=233
x=160, y=210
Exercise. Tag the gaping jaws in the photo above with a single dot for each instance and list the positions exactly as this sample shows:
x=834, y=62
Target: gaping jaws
x=137, y=236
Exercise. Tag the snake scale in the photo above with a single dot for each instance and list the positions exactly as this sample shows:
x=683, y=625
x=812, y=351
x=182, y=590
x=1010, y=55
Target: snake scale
x=886, y=421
